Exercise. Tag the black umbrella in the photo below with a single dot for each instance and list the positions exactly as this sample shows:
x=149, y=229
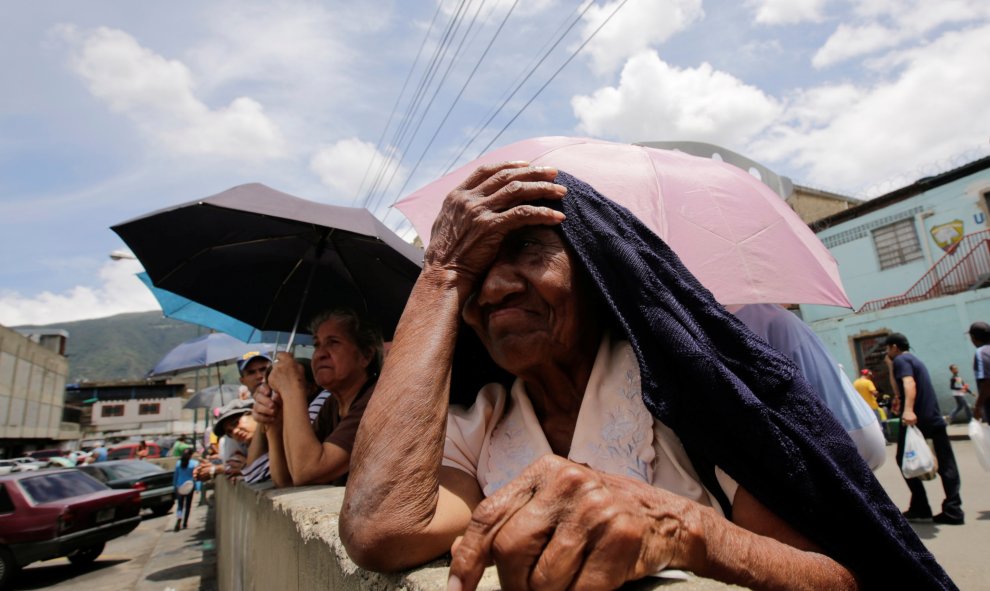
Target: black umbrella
x=270, y=259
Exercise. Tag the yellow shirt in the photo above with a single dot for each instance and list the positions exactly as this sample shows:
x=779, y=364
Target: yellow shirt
x=867, y=390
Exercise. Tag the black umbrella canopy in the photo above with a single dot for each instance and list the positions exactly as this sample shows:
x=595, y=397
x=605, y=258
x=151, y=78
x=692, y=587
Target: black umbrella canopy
x=249, y=252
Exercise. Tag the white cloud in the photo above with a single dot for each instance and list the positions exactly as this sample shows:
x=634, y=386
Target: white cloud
x=638, y=25
x=342, y=166
x=120, y=291
x=283, y=45
x=157, y=94
x=856, y=136
x=657, y=101
x=787, y=12
x=885, y=24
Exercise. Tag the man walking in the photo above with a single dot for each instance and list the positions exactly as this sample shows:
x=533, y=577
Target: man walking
x=979, y=334
x=919, y=406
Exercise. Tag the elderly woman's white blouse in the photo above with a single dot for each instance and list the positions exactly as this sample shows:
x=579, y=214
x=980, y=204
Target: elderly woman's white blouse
x=499, y=435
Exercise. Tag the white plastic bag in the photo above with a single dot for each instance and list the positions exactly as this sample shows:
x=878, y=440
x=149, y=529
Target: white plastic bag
x=918, y=460
x=979, y=434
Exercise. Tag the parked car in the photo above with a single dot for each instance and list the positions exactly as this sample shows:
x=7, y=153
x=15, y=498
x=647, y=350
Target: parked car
x=52, y=513
x=26, y=464
x=128, y=451
x=153, y=482
x=44, y=455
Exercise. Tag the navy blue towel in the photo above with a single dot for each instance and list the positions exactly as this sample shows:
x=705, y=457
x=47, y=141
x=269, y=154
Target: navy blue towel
x=737, y=403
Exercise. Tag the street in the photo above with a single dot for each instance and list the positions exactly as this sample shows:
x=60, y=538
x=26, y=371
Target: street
x=960, y=549
x=150, y=558
x=154, y=558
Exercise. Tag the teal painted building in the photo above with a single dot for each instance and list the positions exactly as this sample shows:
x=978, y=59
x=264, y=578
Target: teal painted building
x=914, y=261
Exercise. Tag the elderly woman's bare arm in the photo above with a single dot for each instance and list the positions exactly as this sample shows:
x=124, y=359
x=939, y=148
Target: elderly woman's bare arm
x=401, y=508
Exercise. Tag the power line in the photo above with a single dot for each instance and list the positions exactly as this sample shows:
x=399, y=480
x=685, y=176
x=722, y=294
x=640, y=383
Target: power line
x=395, y=107
x=425, y=81
x=547, y=83
x=521, y=83
x=443, y=79
x=456, y=100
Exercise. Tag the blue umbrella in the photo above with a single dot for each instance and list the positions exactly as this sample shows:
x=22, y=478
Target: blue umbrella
x=211, y=349
x=182, y=308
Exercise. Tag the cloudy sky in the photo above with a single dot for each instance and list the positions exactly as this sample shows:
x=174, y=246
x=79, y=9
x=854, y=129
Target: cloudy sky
x=113, y=109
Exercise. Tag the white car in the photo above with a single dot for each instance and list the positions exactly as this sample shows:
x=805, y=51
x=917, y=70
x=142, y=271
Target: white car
x=27, y=464
x=8, y=466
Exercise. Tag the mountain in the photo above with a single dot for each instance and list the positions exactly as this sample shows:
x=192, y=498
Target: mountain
x=121, y=347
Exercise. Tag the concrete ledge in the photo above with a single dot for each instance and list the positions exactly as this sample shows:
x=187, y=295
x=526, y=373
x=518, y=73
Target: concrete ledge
x=287, y=539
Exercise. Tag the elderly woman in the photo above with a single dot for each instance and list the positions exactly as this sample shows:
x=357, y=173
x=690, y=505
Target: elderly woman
x=645, y=427
x=304, y=449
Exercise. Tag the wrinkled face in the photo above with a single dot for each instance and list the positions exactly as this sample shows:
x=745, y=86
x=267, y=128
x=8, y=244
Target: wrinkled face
x=528, y=310
x=254, y=373
x=337, y=360
x=240, y=428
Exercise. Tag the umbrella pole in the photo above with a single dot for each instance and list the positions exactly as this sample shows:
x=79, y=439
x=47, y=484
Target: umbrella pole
x=302, y=302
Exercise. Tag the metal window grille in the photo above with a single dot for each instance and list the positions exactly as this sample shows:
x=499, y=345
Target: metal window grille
x=897, y=244
x=149, y=409
x=114, y=410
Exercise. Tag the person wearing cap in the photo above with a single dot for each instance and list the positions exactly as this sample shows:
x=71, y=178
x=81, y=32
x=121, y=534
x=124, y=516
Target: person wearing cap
x=919, y=406
x=253, y=367
x=236, y=425
x=979, y=334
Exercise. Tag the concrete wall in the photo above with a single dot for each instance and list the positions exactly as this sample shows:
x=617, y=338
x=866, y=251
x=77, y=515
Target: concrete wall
x=287, y=540
x=32, y=383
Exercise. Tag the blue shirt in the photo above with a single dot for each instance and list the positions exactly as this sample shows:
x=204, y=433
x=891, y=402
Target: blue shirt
x=791, y=336
x=182, y=475
x=925, y=402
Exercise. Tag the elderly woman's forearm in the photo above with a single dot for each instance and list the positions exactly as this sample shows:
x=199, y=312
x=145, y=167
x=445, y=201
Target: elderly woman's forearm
x=393, y=487
x=277, y=466
x=738, y=556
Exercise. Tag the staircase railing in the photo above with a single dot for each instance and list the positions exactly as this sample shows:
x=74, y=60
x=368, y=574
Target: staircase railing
x=964, y=265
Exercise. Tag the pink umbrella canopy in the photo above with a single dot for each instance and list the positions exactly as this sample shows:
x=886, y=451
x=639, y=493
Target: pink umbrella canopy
x=738, y=237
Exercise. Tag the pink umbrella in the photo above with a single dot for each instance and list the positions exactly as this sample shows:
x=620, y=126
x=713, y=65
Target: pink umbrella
x=738, y=237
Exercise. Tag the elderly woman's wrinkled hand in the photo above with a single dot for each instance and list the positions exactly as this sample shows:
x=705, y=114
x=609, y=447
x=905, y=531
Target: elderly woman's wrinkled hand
x=561, y=525
x=477, y=215
x=288, y=378
x=266, y=410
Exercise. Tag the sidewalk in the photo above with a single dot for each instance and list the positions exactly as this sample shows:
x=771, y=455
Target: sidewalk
x=184, y=560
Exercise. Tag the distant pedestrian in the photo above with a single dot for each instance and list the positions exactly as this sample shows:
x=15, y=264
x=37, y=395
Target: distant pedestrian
x=179, y=446
x=959, y=390
x=99, y=453
x=979, y=333
x=919, y=406
x=142, y=450
x=185, y=488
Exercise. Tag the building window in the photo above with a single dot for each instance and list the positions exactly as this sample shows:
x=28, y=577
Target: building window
x=897, y=244
x=112, y=410
x=149, y=409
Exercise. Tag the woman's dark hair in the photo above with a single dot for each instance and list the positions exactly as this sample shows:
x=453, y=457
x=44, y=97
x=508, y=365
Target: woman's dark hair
x=365, y=334
x=186, y=456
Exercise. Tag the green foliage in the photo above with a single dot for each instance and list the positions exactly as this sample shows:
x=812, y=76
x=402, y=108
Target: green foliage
x=122, y=347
